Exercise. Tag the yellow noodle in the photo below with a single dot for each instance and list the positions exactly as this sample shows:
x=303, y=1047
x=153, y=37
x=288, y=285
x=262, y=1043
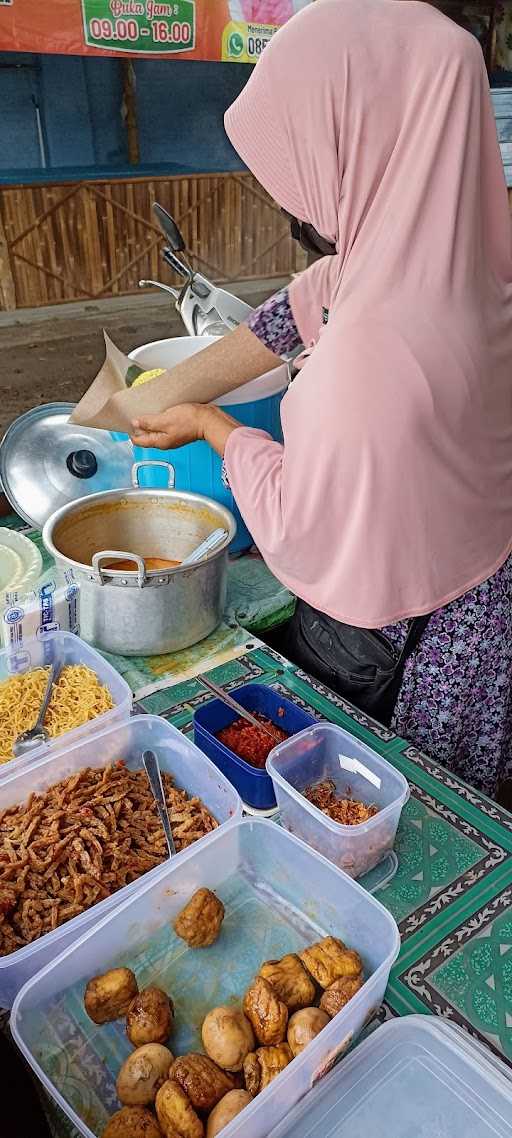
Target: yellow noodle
x=78, y=696
x=146, y=376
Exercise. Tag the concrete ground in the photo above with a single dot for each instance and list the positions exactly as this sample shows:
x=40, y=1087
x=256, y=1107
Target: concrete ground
x=53, y=354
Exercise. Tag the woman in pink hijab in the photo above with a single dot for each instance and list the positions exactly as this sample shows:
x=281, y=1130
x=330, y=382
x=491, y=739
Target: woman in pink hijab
x=388, y=509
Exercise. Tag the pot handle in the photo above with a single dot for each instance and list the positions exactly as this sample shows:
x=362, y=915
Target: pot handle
x=117, y=555
x=171, y=476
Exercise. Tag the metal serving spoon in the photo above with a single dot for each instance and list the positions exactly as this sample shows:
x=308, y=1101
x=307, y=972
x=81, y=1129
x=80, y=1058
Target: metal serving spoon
x=36, y=735
x=210, y=543
x=235, y=706
x=152, y=770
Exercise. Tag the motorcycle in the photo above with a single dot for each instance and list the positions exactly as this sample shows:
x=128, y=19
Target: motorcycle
x=205, y=309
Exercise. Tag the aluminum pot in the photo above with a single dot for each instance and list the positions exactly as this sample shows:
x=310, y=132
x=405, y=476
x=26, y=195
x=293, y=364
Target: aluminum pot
x=142, y=613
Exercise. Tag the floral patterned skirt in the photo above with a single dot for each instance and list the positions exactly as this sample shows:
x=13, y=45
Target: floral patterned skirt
x=455, y=701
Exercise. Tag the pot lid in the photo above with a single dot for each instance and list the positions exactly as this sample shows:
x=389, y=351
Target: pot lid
x=46, y=462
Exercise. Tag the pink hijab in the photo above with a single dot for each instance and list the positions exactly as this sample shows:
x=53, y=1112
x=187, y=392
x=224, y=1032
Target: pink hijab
x=392, y=494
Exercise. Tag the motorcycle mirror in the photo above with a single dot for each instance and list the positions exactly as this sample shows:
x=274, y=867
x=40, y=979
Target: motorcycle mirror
x=169, y=228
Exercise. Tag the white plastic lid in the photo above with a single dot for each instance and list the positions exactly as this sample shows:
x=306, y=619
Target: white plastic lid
x=416, y=1077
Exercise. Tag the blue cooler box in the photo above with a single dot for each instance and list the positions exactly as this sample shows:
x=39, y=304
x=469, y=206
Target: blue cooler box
x=197, y=467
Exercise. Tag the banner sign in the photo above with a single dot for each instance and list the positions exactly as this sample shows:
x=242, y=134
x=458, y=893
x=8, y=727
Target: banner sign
x=234, y=31
x=140, y=25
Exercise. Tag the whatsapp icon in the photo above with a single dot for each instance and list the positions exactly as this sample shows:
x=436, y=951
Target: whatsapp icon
x=235, y=44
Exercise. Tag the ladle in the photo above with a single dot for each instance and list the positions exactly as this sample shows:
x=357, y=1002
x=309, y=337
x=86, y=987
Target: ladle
x=210, y=543
x=37, y=735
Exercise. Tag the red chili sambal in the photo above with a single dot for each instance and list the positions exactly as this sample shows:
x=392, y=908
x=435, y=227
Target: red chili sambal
x=248, y=742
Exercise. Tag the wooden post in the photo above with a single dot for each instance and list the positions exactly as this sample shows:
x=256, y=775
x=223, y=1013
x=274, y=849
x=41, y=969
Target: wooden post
x=491, y=40
x=130, y=111
x=7, y=288
x=455, y=10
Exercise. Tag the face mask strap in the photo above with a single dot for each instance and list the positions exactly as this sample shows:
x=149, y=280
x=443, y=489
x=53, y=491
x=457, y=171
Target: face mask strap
x=308, y=238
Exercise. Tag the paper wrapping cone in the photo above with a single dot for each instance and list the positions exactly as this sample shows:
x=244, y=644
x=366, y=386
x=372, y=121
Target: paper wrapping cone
x=113, y=406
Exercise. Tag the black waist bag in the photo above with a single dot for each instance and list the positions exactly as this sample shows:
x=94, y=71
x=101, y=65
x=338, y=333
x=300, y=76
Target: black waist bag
x=357, y=663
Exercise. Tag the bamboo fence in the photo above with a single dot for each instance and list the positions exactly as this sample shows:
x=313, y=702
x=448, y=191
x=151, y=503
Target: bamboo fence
x=91, y=240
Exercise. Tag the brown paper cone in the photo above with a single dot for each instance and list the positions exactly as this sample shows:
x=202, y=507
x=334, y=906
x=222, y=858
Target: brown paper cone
x=113, y=406
x=97, y=408
x=228, y=363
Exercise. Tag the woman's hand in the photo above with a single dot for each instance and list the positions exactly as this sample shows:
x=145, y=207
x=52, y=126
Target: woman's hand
x=187, y=423
x=170, y=429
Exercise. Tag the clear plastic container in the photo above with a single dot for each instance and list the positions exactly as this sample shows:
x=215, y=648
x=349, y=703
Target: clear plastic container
x=177, y=755
x=328, y=752
x=415, y=1077
x=65, y=648
x=279, y=897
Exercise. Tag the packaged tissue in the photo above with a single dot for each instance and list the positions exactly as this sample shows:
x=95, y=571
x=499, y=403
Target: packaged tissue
x=54, y=605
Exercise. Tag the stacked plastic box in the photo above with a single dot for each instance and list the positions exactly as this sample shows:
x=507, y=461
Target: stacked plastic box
x=418, y=1077
x=328, y=753
x=113, y=736
x=279, y=896
x=64, y=648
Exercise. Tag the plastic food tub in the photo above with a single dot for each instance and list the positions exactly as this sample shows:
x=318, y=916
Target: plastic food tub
x=329, y=752
x=254, y=785
x=64, y=648
x=418, y=1077
x=197, y=468
x=279, y=897
x=177, y=755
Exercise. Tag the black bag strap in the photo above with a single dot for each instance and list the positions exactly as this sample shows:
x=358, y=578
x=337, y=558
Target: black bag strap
x=416, y=629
